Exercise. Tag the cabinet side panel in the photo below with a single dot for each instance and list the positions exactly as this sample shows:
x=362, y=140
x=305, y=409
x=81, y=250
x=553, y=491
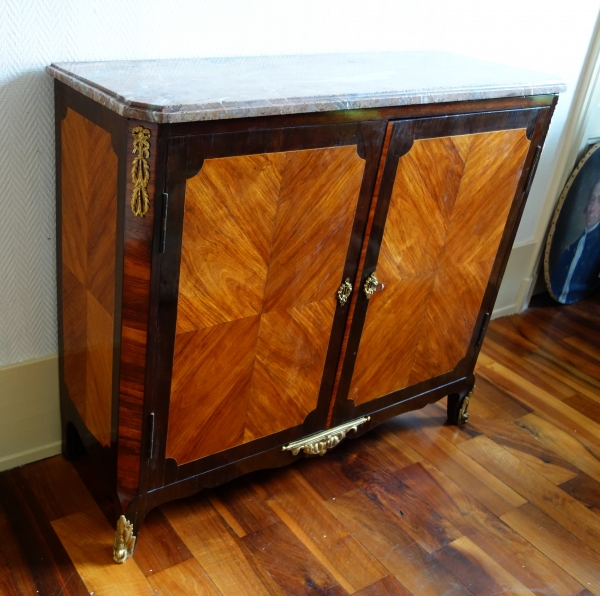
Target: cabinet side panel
x=137, y=261
x=264, y=245
x=89, y=204
x=448, y=209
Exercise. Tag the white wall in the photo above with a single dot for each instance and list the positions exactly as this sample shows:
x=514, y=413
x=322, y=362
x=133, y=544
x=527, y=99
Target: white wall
x=550, y=36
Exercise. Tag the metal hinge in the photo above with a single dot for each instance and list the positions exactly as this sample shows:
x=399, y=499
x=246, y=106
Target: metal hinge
x=151, y=436
x=532, y=169
x=484, y=324
x=163, y=223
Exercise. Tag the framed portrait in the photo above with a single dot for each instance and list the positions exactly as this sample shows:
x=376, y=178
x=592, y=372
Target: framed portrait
x=572, y=255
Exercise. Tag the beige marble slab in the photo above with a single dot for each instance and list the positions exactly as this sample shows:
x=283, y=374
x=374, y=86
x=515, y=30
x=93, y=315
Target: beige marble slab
x=189, y=90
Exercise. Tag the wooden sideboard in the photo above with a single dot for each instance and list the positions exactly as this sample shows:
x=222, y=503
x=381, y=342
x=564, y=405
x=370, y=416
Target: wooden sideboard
x=240, y=291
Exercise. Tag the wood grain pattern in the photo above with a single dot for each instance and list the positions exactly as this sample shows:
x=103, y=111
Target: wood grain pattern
x=289, y=363
x=372, y=496
x=184, y=578
x=456, y=465
x=552, y=539
x=135, y=315
x=450, y=201
x=265, y=239
x=379, y=531
x=388, y=586
x=219, y=553
x=38, y=561
x=229, y=216
x=571, y=514
x=207, y=416
x=88, y=537
x=361, y=262
x=161, y=547
x=352, y=566
x=477, y=570
x=58, y=488
x=89, y=206
x=279, y=551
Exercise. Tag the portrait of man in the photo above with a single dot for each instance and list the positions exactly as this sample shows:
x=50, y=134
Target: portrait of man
x=575, y=269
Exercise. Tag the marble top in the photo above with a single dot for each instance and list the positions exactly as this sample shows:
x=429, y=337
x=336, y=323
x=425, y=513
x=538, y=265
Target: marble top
x=187, y=90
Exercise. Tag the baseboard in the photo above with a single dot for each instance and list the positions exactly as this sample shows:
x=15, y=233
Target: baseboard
x=516, y=281
x=29, y=411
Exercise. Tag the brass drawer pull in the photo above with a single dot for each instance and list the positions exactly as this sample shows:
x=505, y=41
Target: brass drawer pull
x=344, y=292
x=372, y=285
x=319, y=443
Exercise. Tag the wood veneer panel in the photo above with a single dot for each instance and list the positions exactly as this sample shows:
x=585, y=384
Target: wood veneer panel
x=229, y=215
x=264, y=245
x=89, y=204
x=447, y=212
x=289, y=365
x=135, y=315
x=212, y=374
x=317, y=202
x=74, y=297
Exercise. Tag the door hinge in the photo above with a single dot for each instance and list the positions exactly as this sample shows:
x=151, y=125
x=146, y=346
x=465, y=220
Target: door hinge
x=482, y=329
x=532, y=169
x=163, y=223
x=151, y=436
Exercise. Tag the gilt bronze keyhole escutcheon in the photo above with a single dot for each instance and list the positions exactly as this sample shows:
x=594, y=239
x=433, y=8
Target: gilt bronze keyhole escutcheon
x=372, y=285
x=344, y=292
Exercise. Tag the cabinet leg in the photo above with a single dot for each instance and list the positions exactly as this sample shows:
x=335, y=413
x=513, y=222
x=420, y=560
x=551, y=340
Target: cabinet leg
x=124, y=540
x=458, y=404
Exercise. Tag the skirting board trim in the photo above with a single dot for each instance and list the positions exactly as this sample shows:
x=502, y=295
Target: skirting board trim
x=29, y=411
x=517, y=279
x=31, y=455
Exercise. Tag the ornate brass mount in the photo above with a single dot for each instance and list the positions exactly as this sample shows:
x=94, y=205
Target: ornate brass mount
x=371, y=285
x=344, y=292
x=140, y=171
x=319, y=444
x=463, y=415
x=124, y=541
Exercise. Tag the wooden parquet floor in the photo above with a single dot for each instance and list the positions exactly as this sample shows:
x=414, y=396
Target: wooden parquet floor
x=508, y=504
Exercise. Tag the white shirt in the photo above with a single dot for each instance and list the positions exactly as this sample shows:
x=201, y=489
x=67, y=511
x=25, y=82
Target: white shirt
x=574, y=262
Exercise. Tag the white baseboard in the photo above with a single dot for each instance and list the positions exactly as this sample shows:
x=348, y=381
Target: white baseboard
x=516, y=281
x=29, y=411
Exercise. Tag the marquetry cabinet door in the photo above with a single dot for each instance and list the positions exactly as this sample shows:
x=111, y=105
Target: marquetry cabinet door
x=263, y=228
x=450, y=186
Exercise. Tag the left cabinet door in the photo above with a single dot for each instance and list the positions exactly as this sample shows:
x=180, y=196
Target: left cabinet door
x=263, y=228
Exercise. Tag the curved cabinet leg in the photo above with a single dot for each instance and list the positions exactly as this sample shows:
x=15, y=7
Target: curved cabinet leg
x=128, y=528
x=458, y=404
x=124, y=540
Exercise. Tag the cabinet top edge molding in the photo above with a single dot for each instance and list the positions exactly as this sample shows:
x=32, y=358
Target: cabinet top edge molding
x=200, y=89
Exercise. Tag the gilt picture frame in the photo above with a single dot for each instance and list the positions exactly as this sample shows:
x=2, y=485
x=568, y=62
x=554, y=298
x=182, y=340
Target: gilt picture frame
x=572, y=253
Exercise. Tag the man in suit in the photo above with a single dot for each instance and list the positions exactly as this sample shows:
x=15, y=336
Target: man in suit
x=579, y=265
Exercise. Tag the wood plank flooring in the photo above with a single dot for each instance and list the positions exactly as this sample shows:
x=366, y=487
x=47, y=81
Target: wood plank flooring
x=508, y=504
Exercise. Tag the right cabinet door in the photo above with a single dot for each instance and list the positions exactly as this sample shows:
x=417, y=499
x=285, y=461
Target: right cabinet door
x=446, y=192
